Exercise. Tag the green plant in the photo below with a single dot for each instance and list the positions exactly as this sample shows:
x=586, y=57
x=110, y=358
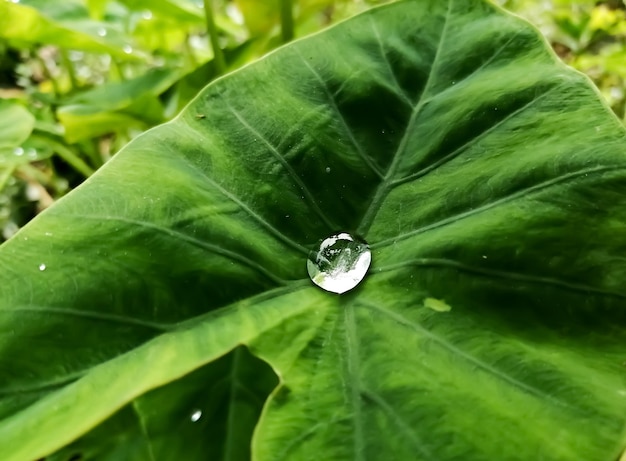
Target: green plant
x=150, y=316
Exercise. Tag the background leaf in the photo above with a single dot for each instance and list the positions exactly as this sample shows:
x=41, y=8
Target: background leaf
x=22, y=23
x=16, y=124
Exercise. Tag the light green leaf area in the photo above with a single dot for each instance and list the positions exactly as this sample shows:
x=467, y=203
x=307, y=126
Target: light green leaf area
x=16, y=125
x=117, y=106
x=484, y=174
x=26, y=24
x=180, y=10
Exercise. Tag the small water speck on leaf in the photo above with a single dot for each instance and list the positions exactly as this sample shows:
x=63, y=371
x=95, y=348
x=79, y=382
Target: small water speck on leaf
x=42, y=267
x=196, y=415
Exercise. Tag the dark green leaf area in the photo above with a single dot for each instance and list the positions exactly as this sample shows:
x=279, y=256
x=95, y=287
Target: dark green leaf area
x=208, y=414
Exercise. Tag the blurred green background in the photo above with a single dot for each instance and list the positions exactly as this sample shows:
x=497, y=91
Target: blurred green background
x=80, y=78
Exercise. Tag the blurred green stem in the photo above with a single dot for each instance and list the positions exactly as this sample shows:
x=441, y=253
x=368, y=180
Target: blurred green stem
x=218, y=55
x=46, y=72
x=286, y=20
x=71, y=158
x=69, y=67
x=116, y=73
x=193, y=62
x=32, y=173
x=5, y=176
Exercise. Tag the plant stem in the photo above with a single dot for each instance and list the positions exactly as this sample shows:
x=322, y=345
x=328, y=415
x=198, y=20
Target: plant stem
x=286, y=20
x=4, y=178
x=69, y=67
x=71, y=158
x=193, y=62
x=218, y=55
x=56, y=90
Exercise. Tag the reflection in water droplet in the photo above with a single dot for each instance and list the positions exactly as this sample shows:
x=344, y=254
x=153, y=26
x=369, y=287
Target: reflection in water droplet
x=340, y=263
x=42, y=267
x=128, y=49
x=18, y=151
x=196, y=415
x=327, y=169
x=147, y=15
x=102, y=32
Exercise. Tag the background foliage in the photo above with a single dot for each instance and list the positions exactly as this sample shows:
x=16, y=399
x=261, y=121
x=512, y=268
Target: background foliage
x=80, y=78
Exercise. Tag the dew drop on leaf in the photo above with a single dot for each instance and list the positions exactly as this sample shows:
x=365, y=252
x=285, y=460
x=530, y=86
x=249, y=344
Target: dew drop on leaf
x=196, y=415
x=42, y=267
x=340, y=263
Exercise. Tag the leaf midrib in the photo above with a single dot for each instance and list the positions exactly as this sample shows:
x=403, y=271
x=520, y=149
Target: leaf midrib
x=383, y=188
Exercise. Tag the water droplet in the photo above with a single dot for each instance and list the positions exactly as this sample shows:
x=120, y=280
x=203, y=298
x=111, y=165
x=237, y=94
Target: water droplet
x=18, y=151
x=147, y=15
x=42, y=267
x=128, y=49
x=340, y=263
x=327, y=169
x=196, y=415
x=102, y=32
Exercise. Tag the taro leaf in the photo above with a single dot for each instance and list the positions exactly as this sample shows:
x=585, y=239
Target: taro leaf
x=488, y=179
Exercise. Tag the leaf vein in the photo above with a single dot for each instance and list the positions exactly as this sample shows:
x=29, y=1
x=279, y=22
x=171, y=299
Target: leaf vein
x=491, y=370
x=215, y=249
x=383, y=187
x=299, y=183
x=559, y=180
x=333, y=105
x=509, y=275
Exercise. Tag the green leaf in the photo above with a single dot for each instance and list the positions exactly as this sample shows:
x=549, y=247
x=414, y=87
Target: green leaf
x=16, y=124
x=220, y=405
x=116, y=106
x=488, y=179
x=25, y=24
x=180, y=10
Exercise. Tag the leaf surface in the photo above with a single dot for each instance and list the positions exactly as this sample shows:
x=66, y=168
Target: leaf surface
x=488, y=179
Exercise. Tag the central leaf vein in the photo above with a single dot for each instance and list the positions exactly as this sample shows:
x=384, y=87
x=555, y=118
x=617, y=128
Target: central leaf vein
x=383, y=187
